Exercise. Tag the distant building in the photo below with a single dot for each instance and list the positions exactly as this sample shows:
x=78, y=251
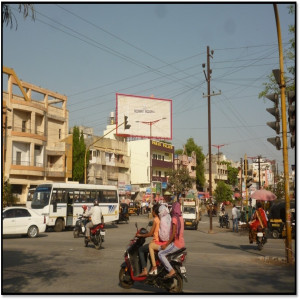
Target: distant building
x=36, y=145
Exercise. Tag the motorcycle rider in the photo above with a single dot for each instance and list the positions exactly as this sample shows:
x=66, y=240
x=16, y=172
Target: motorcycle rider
x=259, y=218
x=176, y=240
x=96, y=218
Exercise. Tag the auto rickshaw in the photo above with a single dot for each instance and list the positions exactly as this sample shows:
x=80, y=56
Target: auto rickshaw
x=134, y=208
x=123, y=213
x=276, y=221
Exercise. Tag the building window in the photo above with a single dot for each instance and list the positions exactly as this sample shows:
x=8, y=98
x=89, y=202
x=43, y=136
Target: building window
x=23, y=126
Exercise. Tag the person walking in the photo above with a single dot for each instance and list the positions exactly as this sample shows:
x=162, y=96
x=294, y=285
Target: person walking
x=235, y=219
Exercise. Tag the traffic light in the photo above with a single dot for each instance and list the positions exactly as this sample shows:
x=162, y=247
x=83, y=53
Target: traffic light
x=292, y=116
x=276, y=124
x=248, y=182
x=126, y=125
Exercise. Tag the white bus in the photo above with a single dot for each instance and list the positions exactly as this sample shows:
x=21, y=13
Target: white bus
x=62, y=202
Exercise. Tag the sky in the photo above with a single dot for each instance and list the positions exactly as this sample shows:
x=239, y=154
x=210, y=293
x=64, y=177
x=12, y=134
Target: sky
x=90, y=52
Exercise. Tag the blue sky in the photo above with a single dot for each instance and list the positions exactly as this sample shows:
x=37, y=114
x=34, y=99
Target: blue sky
x=90, y=52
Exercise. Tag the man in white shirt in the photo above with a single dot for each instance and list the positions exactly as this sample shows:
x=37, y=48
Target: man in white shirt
x=96, y=218
x=235, y=215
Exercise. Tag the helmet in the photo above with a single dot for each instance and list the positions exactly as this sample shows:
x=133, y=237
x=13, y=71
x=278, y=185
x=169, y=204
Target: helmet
x=84, y=207
x=95, y=202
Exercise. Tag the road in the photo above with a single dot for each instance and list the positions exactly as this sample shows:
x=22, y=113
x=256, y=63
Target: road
x=219, y=262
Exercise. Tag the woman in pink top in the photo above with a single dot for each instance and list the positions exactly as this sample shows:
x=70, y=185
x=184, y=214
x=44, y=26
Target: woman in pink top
x=176, y=240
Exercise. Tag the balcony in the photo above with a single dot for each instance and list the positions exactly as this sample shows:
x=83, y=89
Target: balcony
x=57, y=148
x=55, y=171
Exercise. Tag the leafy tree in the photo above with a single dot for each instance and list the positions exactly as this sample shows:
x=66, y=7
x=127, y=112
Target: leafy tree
x=191, y=146
x=8, y=198
x=179, y=181
x=223, y=192
x=271, y=85
x=232, y=175
x=278, y=190
x=78, y=156
x=8, y=16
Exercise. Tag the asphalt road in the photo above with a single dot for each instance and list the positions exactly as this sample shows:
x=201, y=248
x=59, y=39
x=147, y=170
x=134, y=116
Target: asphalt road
x=221, y=262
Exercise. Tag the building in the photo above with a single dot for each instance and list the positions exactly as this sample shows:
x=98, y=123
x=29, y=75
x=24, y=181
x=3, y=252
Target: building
x=219, y=171
x=36, y=147
x=150, y=163
x=188, y=162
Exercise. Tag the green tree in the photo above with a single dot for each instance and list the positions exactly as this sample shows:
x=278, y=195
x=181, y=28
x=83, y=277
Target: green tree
x=191, y=146
x=179, y=181
x=8, y=16
x=8, y=198
x=223, y=192
x=232, y=175
x=78, y=156
x=271, y=85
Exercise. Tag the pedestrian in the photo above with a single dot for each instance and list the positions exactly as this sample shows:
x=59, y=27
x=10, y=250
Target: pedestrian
x=176, y=240
x=235, y=219
x=144, y=250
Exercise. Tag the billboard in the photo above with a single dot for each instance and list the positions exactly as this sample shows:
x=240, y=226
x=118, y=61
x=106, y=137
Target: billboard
x=146, y=116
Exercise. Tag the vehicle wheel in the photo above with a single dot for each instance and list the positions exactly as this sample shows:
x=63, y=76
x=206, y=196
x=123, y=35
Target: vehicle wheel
x=177, y=284
x=76, y=233
x=59, y=225
x=275, y=234
x=33, y=231
x=98, y=241
x=260, y=246
x=124, y=284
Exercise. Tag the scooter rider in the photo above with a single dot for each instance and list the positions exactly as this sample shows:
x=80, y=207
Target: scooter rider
x=96, y=218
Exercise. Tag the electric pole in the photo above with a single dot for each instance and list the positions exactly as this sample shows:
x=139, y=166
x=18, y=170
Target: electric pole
x=207, y=77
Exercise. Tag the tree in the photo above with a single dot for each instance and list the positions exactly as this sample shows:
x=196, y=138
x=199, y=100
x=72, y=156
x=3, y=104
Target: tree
x=223, y=192
x=78, y=155
x=8, y=16
x=271, y=85
x=191, y=146
x=179, y=181
x=8, y=197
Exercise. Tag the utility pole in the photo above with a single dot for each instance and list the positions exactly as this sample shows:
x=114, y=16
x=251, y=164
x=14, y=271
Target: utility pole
x=207, y=76
x=259, y=182
x=288, y=247
x=218, y=146
x=241, y=182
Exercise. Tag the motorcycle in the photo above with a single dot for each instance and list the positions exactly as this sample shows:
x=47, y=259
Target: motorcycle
x=97, y=236
x=261, y=238
x=131, y=268
x=224, y=221
x=80, y=226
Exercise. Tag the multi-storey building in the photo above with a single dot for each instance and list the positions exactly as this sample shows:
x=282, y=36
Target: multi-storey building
x=150, y=163
x=218, y=171
x=36, y=146
x=188, y=162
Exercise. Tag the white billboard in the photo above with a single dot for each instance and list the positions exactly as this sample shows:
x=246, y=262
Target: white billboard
x=148, y=117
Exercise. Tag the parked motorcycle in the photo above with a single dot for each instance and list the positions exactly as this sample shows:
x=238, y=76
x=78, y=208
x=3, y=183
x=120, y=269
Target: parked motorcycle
x=224, y=221
x=80, y=226
x=261, y=238
x=97, y=236
x=131, y=268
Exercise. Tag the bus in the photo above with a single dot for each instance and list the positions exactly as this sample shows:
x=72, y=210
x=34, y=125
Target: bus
x=61, y=203
x=29, y=197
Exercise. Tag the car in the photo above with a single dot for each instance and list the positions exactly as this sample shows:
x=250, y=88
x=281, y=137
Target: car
x=22, y=220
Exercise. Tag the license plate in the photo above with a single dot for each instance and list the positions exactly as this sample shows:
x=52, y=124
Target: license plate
x=188, y=223
x=260, y=234
x=182, y=270
x=102, y=232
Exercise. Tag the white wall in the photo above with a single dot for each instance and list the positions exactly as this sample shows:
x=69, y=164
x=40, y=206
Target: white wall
x=139, y=152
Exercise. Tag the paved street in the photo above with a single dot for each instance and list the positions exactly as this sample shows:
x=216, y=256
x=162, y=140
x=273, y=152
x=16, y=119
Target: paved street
x=219, y=262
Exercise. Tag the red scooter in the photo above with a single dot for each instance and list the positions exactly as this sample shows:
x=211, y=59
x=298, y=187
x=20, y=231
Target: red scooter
x=97, y=236
x=131, y=268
